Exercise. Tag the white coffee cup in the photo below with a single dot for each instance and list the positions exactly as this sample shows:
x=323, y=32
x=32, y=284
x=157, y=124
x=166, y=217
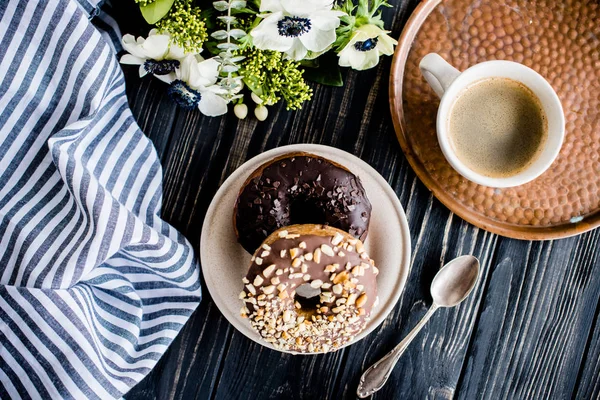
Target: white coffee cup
x=449, y=83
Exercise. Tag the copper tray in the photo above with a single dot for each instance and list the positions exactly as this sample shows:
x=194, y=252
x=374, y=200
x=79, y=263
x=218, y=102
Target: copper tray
x=559, y=39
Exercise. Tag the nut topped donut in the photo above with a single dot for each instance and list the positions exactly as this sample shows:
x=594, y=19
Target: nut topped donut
x=309, y=289
x=299, y=188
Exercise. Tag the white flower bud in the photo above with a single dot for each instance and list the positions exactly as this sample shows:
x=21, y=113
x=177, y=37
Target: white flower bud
x=240, y=110
x=255, y=98
x=261, y=113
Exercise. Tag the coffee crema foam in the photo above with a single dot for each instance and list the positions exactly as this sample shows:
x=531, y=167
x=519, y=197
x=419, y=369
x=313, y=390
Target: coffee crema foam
x=497, y=127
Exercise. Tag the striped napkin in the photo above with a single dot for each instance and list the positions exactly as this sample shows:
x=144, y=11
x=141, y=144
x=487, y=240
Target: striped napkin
x=94, y=286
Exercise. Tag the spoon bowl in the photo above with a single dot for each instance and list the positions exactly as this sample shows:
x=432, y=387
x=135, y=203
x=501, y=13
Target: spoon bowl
x=453, y=283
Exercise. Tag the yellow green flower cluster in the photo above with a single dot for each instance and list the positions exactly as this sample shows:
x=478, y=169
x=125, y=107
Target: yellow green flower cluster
x=271, y=77
x=144, y=3
x=186, y=26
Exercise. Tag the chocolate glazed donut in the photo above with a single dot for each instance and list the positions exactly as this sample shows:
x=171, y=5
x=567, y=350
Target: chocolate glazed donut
x=300, y=188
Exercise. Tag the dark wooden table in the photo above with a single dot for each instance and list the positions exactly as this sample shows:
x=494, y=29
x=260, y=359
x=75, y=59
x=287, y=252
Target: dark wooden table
x=531, y=330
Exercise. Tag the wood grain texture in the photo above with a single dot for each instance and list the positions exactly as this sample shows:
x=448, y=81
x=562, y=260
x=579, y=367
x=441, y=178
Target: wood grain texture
x=531, y=329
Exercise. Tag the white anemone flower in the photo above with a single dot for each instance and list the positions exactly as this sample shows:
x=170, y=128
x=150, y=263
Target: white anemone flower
x=193, y=85
x=365, y=47
x=296, y=27
x=156, y=54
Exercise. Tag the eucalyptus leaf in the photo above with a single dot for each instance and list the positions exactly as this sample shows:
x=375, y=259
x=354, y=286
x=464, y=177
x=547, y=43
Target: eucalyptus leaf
x=237, y=33
x=237, y=4
x=229, y=68
x=227, y=18
x=221, y=5
x=219, y=35
x=228, y=46
x=155, y=11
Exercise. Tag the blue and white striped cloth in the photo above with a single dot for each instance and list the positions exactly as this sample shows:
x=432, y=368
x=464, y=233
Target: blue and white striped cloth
x=94, y=286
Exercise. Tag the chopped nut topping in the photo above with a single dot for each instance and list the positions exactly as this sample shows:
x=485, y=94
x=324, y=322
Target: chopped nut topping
x=351, y=299
x=306, y=277
x=308, y=256
x=287, y=316
x=304, y=268
x=302, y=245
x=341, y=277
x=275, y=281
x=324, y=309
x=296, y=263
x=279, y=272
x=360, y=287
x=317, y=256
x=337, y=289
x=269, y=270
x=283, y=294
x=375, y=270
x=251, y=289
x=282, y=253
x=294, y=252
x=283, y=234
x=242, y=294
x=331, y=267
x=337, y=239
x=281, y=287
x=365, y=265
x=316, y=284
x=362, y=299
x=341, y=253
x=265, y=254
x=258, y=280
x=268, y=289
x=245, y=280
x=258, y=261
x=266, y=247
x=292, y=236
x=326, y=285
x=359, y=247
x=327, y=250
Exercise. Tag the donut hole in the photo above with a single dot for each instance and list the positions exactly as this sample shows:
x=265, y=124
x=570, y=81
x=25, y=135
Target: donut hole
x=307, y=296
x=306, y=211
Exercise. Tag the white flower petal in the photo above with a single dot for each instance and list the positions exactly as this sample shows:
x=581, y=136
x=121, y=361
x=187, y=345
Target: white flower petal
x=132, y=46
x=386, y=44
x=185, y=68
x=130, y=59
x=166, y=78
x=304, y=8
x=270, y=5
x=211, y=104
x=156, y=46
x=175, y=52
x=297, y=51
x=370, y=60
x=142, y=71
x=209, y=71
x=326, y=20
x=266, y=35
x=317, y=40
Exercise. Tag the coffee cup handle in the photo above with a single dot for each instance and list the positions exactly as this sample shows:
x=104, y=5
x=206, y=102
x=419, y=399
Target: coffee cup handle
x=438, y=73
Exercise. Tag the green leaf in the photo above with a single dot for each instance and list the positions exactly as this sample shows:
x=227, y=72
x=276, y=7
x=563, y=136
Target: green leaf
x=327, y=71
x=155, y=11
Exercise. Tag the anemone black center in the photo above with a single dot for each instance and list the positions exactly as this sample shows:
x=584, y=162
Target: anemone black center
x=293, y=26
x=367, y=45
x=163, y=67
x=306, y=211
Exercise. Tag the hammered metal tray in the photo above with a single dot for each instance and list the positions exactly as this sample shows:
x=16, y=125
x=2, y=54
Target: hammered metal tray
x=558, y=39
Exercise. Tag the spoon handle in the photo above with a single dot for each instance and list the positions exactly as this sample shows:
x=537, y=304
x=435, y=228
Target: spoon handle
x=375, y=377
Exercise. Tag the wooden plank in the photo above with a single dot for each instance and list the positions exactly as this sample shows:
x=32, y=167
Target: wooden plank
x=589, y=374
x=535, y=321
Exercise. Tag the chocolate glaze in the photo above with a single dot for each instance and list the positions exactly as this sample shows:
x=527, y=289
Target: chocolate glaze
x=300, y=188
x=363, y=284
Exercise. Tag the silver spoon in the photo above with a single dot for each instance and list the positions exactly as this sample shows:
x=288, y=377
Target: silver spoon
x=451, y=285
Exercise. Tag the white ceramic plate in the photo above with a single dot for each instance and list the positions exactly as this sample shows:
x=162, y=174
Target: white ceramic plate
x=225, y=262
